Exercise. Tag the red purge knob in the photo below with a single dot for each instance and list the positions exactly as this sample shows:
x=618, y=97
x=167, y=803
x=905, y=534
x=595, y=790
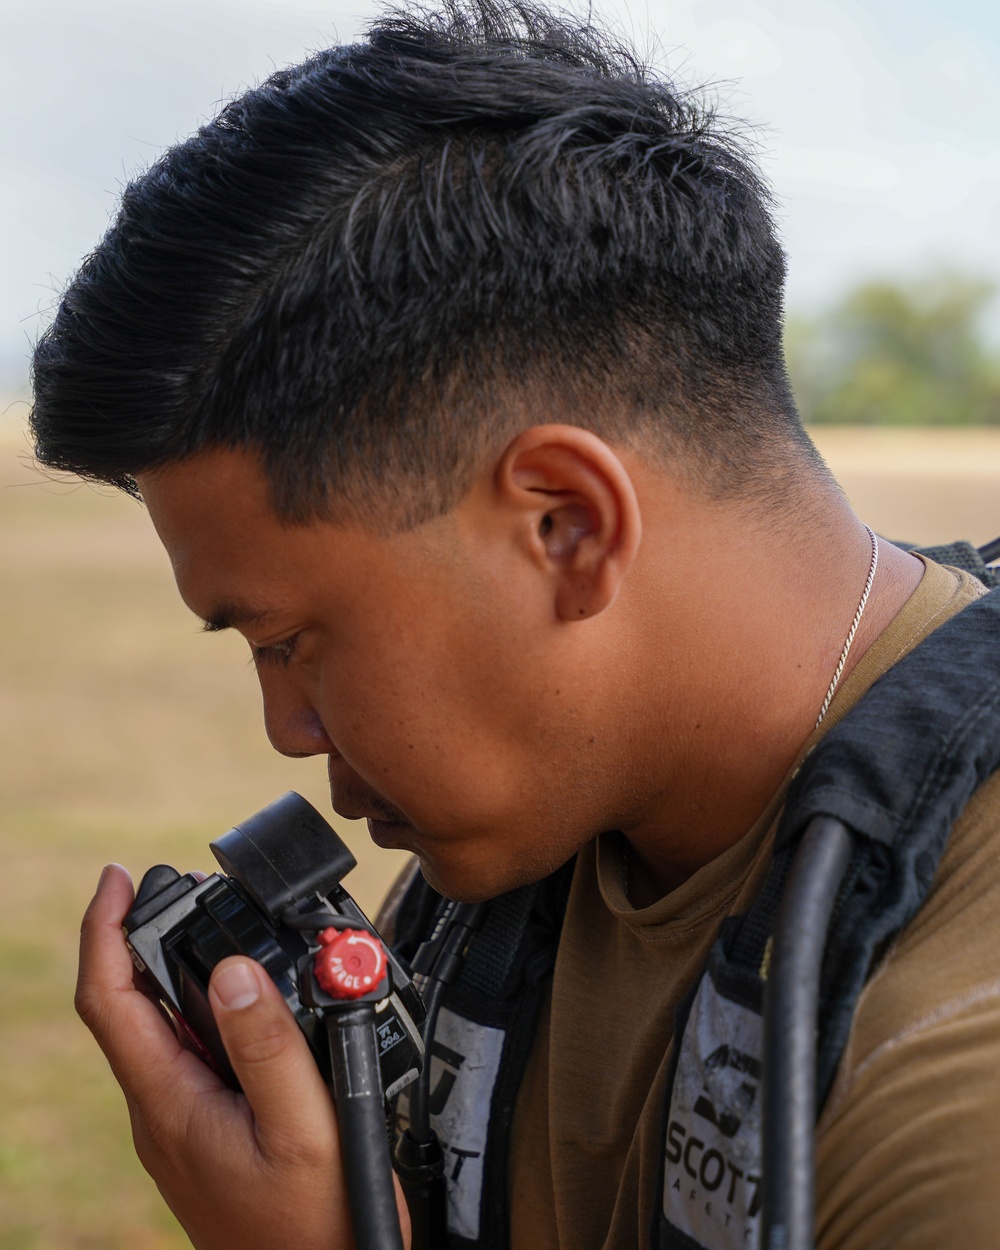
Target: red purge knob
x=350, y=963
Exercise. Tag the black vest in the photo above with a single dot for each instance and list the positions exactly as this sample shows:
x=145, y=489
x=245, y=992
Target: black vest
x=897, y=771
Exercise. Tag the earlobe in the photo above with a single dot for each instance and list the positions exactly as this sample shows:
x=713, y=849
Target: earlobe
x=579, y=508
x=584, y=554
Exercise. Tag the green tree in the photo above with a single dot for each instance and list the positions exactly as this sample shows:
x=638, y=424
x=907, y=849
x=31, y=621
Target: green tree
x=898, y=354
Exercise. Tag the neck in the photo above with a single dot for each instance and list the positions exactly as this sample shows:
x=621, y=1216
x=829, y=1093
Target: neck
x=763, y=641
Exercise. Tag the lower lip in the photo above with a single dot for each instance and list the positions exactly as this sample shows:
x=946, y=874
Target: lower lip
x=388, y=834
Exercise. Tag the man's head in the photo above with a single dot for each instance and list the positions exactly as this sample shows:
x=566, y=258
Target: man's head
x=405, y=352
x=372, y=266
x=443, y=670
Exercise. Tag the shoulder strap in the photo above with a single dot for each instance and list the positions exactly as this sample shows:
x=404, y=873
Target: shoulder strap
x=962, y=555
x=897, y=770
x=481, y=1045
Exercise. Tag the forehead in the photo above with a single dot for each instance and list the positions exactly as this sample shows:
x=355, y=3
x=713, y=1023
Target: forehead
x=217, y=500
x=230, y=552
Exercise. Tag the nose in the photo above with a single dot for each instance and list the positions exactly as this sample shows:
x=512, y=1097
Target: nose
x=293, y=725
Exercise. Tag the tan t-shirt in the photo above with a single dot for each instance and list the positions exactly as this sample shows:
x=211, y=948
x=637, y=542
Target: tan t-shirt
x=909, y=1141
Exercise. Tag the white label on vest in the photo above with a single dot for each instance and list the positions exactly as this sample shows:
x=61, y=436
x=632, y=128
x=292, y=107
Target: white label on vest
x=711, y=1184
x=465, y=1063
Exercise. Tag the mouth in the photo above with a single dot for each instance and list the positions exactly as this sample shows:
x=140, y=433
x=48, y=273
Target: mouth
x=387, y=826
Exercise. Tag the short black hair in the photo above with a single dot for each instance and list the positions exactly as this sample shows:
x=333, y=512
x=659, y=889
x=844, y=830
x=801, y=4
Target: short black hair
x=357, y=263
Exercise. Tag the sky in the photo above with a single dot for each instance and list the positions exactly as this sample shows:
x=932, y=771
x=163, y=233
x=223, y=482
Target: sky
x=877, y=124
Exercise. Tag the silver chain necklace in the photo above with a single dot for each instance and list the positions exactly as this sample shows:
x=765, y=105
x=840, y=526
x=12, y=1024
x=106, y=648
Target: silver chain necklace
x=853, y=630
x=833, y=684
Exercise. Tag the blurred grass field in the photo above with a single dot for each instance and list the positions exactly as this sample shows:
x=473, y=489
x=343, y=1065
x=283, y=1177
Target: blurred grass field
x=127, y=734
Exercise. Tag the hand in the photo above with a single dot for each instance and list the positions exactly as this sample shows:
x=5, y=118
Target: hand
x=254, y=1171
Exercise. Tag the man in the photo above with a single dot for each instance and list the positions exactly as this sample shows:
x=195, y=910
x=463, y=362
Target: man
x=449, y=368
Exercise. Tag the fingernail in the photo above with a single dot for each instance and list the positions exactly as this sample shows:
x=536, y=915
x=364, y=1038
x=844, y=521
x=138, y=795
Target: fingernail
x=236, y=986
x=104, y=872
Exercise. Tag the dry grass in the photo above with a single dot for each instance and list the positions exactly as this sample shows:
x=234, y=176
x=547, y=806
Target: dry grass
x=126, y=734
x=922, y=486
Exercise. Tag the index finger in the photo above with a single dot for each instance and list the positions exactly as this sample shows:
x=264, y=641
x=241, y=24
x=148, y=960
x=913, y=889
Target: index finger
x=105, y=963
x=140, y=1045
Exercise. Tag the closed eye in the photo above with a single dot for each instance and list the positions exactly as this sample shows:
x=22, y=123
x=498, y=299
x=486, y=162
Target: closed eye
x=275, y=653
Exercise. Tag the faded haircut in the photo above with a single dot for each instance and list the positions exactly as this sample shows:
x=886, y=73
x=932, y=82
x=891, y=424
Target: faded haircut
x=365, y=268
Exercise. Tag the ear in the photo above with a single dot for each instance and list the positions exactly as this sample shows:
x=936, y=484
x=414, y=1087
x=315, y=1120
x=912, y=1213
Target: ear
x=578, y=514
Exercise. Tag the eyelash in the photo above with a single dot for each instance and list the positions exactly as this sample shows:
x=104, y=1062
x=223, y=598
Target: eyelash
x=277, y=653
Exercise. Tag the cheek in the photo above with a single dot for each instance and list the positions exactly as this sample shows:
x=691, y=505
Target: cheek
x=378, y=712
x=439, y=716
x=435, y=757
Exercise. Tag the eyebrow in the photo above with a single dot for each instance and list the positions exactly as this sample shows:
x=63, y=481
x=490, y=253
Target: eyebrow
x=232, y=614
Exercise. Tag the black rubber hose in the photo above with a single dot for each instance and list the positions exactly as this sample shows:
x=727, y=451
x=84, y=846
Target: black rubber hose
x=420, y=1168
x=791, y=1001
x=420, y=1118
x=419, y=1158
x=357, y=1091
x=455, y=930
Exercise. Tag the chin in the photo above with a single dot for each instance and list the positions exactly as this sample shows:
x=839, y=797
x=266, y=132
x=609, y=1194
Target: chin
x=467, y=883
x=460, y=886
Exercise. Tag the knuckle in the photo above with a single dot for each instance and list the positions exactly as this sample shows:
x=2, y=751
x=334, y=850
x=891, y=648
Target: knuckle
x=302, y=1154
x=171, y=1136
x=263, y=1041
x=90, y=922
x=90, y=1007
x=83, y=1001
x=87, y=919
x=160, y=1146
x=153, y=1145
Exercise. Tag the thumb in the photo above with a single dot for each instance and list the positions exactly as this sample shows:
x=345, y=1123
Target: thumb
x=292, y=1108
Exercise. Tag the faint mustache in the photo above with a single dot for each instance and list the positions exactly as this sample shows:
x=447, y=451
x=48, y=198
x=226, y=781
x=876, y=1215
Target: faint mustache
x=353, y=805
x=369, y=807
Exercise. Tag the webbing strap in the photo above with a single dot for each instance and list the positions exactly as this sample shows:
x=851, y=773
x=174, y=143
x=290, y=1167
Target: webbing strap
x=962, y=555
x=493, y=954
x=897, y=770
x=492, y=1011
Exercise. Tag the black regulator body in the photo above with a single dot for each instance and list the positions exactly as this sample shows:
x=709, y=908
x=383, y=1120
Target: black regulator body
x=278, y=899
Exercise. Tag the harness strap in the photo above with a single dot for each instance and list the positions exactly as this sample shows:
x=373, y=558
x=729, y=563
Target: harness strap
x=917, y=747
x=480, y=1049
x=962, y=555
x=897, y=771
